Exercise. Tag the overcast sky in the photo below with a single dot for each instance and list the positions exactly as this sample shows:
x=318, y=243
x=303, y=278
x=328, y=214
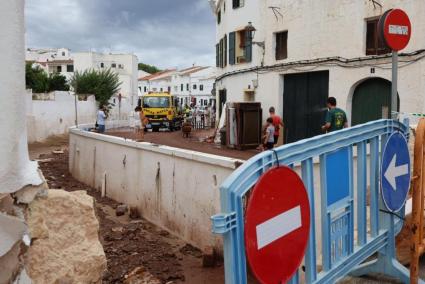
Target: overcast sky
x=166, y=33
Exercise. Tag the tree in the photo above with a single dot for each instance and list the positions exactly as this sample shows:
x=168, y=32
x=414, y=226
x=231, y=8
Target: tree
x=148, y=68
x=38, y=80
x=102, y=84
x=57, y=82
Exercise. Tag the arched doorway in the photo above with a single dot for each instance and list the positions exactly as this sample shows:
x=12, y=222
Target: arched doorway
x=372, y=101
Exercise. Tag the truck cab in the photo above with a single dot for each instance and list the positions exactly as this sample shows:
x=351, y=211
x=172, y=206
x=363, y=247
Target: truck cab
x=162, y=111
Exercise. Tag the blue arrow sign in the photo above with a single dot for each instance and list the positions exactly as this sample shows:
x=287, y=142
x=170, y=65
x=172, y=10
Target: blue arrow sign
x=395, y=172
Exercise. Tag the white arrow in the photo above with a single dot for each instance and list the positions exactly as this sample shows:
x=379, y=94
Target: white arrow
x=393, y=172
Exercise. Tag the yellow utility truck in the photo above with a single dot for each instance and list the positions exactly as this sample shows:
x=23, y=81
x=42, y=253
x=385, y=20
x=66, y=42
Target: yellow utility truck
x=162, y=111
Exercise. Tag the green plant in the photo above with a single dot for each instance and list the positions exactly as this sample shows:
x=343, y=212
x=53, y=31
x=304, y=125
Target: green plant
x=102, y=84
x=38, y=80
x=57, y=82
x=148, y=68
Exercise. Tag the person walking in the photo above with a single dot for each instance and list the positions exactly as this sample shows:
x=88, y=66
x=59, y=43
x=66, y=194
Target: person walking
x=277, y=123
x=336, y=119
x=139, y=123
x=270, y=131
x=101, y=117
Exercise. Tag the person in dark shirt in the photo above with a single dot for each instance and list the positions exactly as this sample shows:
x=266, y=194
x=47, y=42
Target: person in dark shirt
x=336, y=118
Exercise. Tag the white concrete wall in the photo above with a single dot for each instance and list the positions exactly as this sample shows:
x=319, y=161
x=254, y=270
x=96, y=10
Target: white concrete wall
x=53, y=117
x=174, y=188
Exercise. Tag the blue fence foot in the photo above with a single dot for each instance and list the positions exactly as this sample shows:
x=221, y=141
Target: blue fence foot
x=383, y=265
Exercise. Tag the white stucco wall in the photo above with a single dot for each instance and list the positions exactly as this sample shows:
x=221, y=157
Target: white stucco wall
x=174, y=188
x=47, y=118
x=16, y=170
x=320, y=29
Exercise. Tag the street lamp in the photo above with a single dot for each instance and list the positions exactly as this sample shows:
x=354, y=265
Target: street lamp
x=250, y=31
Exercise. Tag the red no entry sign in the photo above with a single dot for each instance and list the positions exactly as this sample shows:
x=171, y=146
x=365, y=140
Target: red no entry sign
x=277, y=225
x=395, y=28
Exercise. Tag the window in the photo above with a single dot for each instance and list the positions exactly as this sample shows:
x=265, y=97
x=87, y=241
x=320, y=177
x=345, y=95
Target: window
x=120, y=66
x=156, y=102
x=187, y=87
x=201, y=87
x=194, y=86
x=145, y=89
x=240, y=47
x=181, y=87
x=63, y=53
x=281, y=45
x=374, y=45
x=169, y=89
x=219, y=17
x=102, y=65
x=237, y=3
x=70, y=68
x=114, y=65
x=59, y=69
x=160, y=89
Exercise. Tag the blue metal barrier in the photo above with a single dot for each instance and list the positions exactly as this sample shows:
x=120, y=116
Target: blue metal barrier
x=341, y=255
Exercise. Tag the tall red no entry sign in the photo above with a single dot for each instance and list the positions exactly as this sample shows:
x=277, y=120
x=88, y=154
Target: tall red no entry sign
x=277, y=225
x=395, y=28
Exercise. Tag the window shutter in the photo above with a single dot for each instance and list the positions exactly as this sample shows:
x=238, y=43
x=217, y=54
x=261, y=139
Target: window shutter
x=217, y=55
x=225, y=51
x=248, y=47
x=232, y=43
x=221, y=53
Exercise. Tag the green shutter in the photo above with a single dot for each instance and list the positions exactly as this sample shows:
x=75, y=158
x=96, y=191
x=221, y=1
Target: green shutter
x=232, y=43
x=248, y=47
x=225, y=51
x=217, y=47
x=221, y=53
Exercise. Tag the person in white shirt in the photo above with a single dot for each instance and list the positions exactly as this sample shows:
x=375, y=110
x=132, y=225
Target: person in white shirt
x=101, y=117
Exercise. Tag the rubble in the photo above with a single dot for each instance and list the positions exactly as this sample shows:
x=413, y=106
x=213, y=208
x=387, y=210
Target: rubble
x=134, y=213
x=121, y=210
x=65, y=245
x=140, y=276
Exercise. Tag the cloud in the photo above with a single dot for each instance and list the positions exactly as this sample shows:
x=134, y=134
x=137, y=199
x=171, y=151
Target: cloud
x=166, y=33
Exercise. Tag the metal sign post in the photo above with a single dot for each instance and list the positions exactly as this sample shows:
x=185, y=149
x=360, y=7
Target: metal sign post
x=394, y=84
x=395, y=30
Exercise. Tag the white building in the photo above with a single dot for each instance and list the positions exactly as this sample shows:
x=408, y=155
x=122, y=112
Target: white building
x=52, y=60
x=302, y=52
x=192, y=85
x=126, y=67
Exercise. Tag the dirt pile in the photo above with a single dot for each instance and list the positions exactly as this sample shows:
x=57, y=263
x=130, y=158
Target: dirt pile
x=66, y=247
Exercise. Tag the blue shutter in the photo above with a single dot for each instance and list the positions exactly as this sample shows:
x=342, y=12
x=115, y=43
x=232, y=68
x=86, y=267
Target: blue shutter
x=232, y=43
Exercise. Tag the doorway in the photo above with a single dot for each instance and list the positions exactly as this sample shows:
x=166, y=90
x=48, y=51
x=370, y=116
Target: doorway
x=304, y=104
x=372, y=101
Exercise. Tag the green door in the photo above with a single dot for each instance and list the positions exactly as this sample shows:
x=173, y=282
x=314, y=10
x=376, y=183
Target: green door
x=304, y=104
x=372, y=101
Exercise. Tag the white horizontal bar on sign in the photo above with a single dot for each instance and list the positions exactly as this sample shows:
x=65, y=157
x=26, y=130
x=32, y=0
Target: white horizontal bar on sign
x=278, y=227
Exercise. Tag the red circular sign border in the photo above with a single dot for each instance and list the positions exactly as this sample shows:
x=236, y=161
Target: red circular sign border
x=395, y=17
x=299, y=235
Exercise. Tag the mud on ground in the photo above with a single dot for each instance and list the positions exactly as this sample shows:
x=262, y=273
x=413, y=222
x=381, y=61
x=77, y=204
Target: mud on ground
x=129, y=244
